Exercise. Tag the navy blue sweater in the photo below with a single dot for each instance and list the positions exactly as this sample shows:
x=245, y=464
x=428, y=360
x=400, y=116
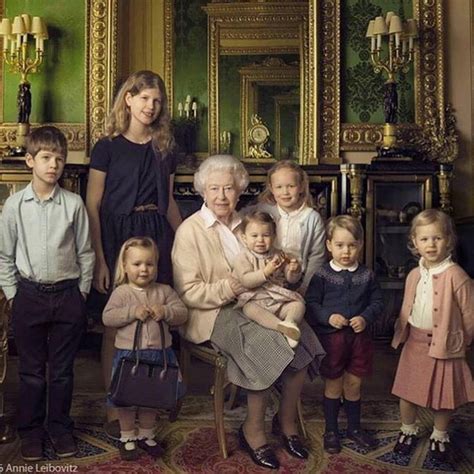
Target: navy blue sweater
x=347, y=293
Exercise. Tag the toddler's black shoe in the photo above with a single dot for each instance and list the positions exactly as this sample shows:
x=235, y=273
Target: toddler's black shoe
x=64, y=445
x=405, y=443
x=361, y=438
x=129, y=451
x=32, y=449
x=332, y=442
x=440, y=450
x=155, y=450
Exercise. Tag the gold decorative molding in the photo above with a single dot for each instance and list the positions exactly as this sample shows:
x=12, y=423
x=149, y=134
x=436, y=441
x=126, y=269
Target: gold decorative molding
x=75, y=134
x=101, y=67
x=429, y=80
x=258, y=28
x=169, y=53
x=330, y=79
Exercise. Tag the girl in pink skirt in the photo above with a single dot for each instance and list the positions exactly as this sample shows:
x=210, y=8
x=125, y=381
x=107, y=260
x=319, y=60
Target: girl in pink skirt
x=436, y=324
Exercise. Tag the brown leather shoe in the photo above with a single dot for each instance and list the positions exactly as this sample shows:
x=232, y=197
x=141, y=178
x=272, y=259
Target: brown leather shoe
x=32, y=449
x=332, y=442
x=362, y=438
x=65, y=446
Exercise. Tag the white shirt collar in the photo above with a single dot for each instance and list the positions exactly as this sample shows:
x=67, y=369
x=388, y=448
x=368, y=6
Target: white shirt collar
x=294, y=213
x=338, y=268
x=441, y=267
x=210, y=218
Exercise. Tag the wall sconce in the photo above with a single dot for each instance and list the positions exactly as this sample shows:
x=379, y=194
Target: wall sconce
x=17, y=53
x=190, y=109
x=400, y=53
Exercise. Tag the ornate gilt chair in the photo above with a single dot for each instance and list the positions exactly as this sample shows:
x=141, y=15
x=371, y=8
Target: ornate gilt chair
x=206, y=353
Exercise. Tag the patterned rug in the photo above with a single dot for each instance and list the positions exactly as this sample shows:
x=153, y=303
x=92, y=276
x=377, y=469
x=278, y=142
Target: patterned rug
x=191, y=444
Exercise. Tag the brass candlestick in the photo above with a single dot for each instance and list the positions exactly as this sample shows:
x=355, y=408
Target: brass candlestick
x=17, y=53
x=399, y=55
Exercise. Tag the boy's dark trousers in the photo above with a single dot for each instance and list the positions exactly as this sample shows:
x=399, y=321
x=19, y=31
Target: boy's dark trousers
x=48, y=324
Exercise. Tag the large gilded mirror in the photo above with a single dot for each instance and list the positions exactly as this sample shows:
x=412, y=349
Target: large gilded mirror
x=259, y=51
x=247, y=33
x=271, y=90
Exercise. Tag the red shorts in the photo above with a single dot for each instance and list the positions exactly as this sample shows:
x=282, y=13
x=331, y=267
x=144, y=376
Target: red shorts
x=346, y=351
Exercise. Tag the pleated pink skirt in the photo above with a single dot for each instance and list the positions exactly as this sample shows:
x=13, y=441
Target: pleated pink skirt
x=428, y=382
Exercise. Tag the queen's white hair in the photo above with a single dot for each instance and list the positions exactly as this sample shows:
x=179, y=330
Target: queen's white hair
x=223, y=164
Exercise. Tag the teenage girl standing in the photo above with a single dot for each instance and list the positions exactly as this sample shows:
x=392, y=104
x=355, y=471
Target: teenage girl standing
x=130, y=188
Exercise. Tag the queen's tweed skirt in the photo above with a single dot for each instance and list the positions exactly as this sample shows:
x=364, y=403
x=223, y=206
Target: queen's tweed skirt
x=257, y=356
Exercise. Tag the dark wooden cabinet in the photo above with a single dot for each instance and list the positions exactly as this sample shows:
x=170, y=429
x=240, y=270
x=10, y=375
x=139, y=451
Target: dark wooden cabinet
x=386, y=196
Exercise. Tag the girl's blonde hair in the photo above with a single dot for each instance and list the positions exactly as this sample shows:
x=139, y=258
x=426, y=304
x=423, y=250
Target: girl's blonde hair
x=349, y=223
x=433, y=216
x=266, y=196
x=135, y=242
x=118, y=120
x=261, y=218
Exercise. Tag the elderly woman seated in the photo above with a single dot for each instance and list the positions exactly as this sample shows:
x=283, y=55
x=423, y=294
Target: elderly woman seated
x=205, y=247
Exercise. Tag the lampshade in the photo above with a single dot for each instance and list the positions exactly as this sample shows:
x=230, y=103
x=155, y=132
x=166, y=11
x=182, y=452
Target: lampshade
x=412, y=29
x=380, y=27
x=27, y=21
x=18, y=27
x=370, y=29
x=395, y=25
x=388, y=17
x=5, y=27
x=36, y=26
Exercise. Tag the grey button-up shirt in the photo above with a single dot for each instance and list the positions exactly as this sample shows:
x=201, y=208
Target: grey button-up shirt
x=45, y=241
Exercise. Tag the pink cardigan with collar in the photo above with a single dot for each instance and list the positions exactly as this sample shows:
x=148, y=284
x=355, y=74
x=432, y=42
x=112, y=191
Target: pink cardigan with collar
x=453, y=312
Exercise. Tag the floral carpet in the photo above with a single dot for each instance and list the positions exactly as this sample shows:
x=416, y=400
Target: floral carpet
x=191, y=444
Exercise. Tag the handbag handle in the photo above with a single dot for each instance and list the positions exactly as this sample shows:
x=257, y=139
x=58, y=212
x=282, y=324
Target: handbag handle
x=136, y=347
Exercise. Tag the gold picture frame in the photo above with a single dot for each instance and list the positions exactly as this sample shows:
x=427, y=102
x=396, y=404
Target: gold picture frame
x=75, y=132
x=272, y=72
x=429, y=81
x=262, y=28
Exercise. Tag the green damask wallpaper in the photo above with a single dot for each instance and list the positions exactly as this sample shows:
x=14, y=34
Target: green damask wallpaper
x=58, y=90
x=361, y=88
x=190, y=73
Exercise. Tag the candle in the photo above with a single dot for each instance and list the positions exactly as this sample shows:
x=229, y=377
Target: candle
x=410, y=43
x=186, y=109
x=180, y=109
x=195, y=108
x=397, y=40
x=12, y=45
x=37, y=42
x=372, y=43
x=379, y=41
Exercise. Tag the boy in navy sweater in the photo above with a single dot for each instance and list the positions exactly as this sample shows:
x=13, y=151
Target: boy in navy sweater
x=342, y=300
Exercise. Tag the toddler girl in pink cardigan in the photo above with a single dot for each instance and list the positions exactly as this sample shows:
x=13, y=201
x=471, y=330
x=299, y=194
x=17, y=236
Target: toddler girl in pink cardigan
x=437, y=324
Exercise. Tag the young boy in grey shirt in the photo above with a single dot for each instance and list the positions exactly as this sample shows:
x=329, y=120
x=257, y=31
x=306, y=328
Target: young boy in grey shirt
x=47, y=264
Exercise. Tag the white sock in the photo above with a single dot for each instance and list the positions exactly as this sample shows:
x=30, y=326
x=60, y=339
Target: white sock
x=409, y=429
x=128, y=437
x=441, y=436
x=148, y=434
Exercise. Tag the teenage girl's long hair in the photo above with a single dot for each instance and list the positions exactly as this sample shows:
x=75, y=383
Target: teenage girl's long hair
x=118, y=120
